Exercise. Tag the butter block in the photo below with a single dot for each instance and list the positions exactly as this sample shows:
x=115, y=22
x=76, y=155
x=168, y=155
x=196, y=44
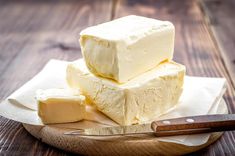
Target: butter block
x=126, y=47
x=60, y=105
x=139, y=100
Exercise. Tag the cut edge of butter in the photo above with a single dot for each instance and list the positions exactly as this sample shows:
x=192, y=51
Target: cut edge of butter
x=127, y=47
x=59, y=105
x=137, y=101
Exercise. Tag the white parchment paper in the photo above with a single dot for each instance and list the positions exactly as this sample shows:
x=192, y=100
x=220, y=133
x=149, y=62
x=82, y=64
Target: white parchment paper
x=200, y=96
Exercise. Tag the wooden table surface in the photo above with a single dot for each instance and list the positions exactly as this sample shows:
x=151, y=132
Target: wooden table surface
x=33, y=32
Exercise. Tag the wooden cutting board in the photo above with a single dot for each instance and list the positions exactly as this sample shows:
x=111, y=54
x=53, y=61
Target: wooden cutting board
x=123, y=145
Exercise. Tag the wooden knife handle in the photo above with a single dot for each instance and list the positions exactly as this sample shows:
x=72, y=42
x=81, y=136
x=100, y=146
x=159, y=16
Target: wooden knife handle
x=194, y=124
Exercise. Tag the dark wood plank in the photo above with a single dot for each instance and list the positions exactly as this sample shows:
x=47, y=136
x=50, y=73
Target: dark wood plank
x=46, y=34
x=20, y=142
x=219, y=15
x=194, y=47
x=31, y=33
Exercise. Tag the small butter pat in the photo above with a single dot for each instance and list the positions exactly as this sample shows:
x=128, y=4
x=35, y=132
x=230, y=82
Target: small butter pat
x=127, y=47
x=139, y=100
x=60, y=105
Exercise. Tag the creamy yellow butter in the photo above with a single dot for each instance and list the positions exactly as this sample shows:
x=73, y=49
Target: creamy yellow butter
x=60, y=105
x=141, y=99
x=126, y=47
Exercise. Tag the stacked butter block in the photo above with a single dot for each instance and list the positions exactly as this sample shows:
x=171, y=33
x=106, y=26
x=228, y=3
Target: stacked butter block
x=127, y=71
x=127, y=47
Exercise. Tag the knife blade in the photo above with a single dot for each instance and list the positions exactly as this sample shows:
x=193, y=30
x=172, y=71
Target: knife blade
x=168, y=127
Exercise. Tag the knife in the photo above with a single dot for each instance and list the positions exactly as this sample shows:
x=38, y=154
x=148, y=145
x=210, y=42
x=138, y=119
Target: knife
x=168, y=127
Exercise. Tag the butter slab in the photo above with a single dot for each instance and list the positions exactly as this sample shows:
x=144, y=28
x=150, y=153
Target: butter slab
x=127, y=47
x=139, y=100
x=60, y=105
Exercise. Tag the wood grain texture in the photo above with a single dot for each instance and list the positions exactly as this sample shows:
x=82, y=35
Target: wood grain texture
x=146, y=144
x=31, y=33
x=131, y=146
x=194, y=47
x=194, y=124
x=219, y=16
